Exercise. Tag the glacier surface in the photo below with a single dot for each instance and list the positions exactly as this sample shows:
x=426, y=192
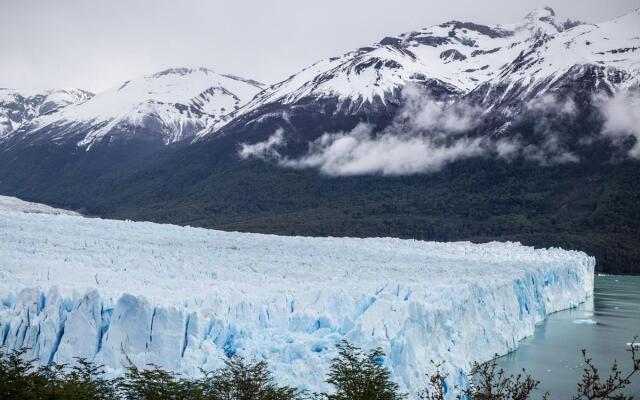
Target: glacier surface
x=8, y=203
x=121, y=293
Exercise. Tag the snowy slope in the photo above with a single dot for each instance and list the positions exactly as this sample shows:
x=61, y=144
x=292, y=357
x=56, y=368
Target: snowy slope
x=18, y=107
x=488, y=65
x=595, y=57
x=183, y=298
x=455, y=55
x=614, y=44
x=13, y=204
x=168, y=106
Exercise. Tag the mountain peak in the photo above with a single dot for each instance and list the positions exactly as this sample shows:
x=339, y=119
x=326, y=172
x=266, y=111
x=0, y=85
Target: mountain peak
x=182, y=71
x=544, y=22
x=541, y=14
x=168, y=106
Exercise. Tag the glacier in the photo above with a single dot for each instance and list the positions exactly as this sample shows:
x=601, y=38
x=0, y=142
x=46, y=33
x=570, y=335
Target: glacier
x=123, y=292
x=8, y=203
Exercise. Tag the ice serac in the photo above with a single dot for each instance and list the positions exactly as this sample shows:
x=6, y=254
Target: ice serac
x=123, y=293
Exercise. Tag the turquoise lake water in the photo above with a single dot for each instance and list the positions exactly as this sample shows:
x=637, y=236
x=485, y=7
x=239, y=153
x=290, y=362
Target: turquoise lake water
x=604, y=326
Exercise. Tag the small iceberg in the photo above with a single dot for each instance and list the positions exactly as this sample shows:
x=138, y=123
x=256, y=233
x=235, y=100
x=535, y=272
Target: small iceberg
x=584, y=322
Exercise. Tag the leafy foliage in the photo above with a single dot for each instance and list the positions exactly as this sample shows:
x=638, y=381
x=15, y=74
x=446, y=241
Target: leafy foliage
x=356, y=375
x=243, y=380
x=150, y=384
x=21, y=379
x=239, y=379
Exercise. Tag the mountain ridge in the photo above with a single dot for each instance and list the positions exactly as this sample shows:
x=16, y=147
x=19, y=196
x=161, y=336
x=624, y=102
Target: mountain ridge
x=451, y=59
x=168, y=106
x=18, y=107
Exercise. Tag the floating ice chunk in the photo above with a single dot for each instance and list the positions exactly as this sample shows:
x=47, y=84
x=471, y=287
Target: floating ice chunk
x=585, y=321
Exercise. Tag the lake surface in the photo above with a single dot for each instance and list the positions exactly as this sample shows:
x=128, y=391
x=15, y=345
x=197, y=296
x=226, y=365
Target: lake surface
x=603, y=325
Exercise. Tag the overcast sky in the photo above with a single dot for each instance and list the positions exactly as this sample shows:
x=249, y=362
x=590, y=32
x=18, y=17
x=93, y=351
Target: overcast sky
x=98, y=44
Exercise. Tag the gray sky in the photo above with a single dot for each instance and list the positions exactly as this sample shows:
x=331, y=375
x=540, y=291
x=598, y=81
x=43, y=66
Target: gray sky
x=98, y=44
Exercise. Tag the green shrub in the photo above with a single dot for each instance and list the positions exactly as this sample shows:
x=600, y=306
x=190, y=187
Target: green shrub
x=356, y=375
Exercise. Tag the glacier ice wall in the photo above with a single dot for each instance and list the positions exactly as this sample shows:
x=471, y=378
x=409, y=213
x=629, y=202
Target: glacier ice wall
x=121, y=293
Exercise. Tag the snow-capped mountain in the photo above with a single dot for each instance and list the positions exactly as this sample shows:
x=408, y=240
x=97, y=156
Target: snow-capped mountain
x=487, y=65
x=497, y=67
x=167, y=107
x=18, y=107
x=451, y=58
x=592, y=57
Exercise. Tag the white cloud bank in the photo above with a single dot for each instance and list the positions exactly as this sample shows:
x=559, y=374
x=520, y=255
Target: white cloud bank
x=360, y=152
x=550, y=149
x=622, y=119
x=428, y=134
x=264, y=150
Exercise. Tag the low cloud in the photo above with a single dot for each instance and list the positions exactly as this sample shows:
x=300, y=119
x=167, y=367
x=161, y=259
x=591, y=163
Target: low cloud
x=427, y=134
x=550, y=104
x=622, y=120
x=550, y=112
x=264, y=150
x=421, y=113
x=549, y=152
x=361, y=152
x=508, y=149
